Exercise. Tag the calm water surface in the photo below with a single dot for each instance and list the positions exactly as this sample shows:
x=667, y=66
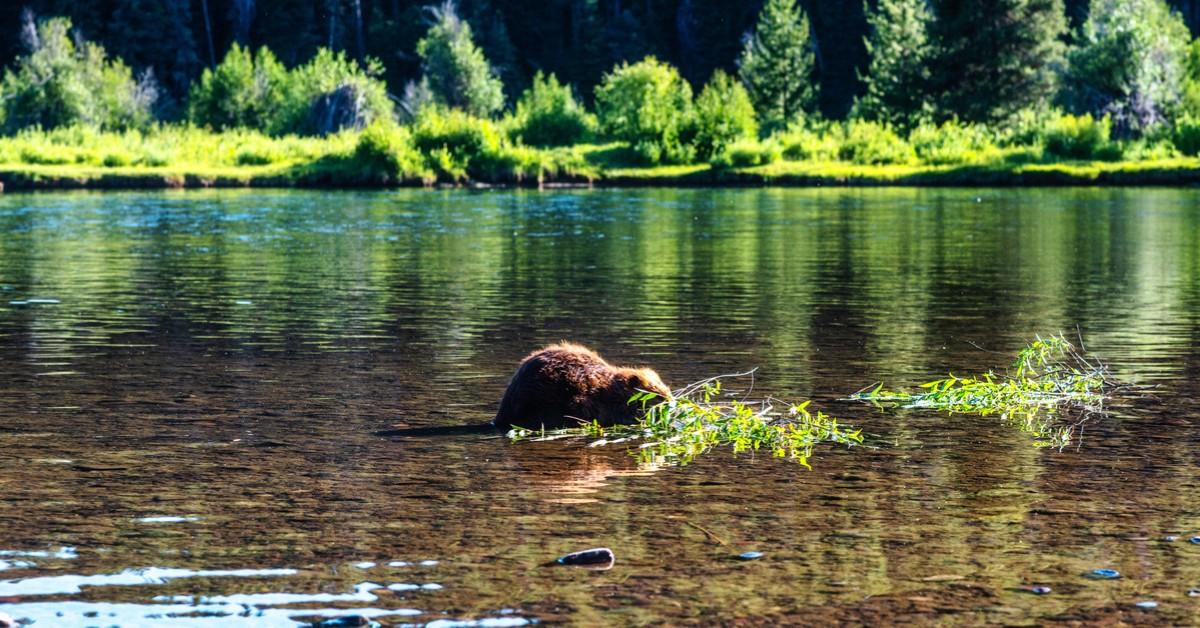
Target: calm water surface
x=191, y=384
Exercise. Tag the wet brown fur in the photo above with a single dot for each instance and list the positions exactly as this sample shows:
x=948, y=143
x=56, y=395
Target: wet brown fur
x=566, y=384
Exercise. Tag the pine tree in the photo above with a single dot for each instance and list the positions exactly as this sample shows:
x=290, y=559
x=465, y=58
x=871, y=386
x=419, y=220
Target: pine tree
x=455, y=70
x=777, y=64
x=996, y=57
x=897, y=79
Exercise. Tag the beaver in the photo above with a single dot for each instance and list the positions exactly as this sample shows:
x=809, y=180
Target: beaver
x=565, y=384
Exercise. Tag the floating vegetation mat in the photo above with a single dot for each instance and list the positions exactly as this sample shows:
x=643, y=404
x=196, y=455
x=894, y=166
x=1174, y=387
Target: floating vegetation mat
x=1051, y=389
x=699, y=418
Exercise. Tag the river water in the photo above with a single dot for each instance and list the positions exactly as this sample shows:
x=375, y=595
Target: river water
x=193, y=387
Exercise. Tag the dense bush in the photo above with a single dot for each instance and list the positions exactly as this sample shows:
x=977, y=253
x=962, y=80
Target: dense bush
x=1186, y=135
x=1129, y=64
x=1079, y=137
x=328, y=93
x=1191, y=83
x=243, y=91
x=747, y=154
x=723, y=115
x=59, y=83
x=385, y=153
x=548, y=115
x=328, y=72
x=874, y=143
x=648, y=105
x=455, y=142
x=951, y=142
x=454, y=71
x=810, y=142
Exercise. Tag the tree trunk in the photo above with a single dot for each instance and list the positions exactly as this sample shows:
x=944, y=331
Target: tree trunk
x=212, y=53
x=332, y=7
x=242, y=12
x=358, y=31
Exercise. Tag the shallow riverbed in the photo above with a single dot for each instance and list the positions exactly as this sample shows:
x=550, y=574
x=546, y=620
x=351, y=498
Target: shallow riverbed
x=191, y=384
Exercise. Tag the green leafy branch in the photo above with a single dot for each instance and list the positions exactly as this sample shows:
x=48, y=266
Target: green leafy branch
x=697, y=420
x=1050, y=390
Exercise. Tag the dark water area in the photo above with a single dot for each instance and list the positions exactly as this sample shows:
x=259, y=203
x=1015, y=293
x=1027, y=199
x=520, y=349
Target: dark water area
x=191, y=386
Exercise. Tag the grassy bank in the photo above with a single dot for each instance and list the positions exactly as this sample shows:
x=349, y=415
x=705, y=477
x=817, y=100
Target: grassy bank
x=461, y=152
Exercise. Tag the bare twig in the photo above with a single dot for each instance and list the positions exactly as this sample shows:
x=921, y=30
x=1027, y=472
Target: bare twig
x=691, y=388
x=705, y=530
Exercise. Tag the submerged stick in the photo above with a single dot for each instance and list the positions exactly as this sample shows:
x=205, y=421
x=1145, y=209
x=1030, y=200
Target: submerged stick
x=705, y=530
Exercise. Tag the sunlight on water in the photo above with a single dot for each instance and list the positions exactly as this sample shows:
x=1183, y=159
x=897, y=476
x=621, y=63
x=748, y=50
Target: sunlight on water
x=58, y=585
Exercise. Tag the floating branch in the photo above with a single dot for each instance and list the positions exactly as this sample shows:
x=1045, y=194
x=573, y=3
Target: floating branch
x=1051, y=389
x=696, y=420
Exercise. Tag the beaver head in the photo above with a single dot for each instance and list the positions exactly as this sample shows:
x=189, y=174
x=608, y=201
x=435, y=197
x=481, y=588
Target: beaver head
x=645, y=380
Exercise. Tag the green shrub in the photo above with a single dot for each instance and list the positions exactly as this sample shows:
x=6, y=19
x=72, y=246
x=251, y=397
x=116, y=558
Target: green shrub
x=385, y=153
x=1186, y=135
x=747, y=154
x=117, y=159
x=456, y=142
x=257, y=155
x=874, y=143
x=1153, y=147
x=548, y=115
x=328, y=72
x=445, y=166
x=648, y=105
x=951, y=143
x=47, y=157
x=256, y=92
x=724, y=115
x=1079, y=137
x=154, y=159
x=243, y=91
x=1191, y=82
x=455, y=72
x=815, y=143
x=1129, y=64
x=60, y=83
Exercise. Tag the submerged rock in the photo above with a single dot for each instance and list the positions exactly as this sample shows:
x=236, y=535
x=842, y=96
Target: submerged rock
x=343, y=622
x=595, y=557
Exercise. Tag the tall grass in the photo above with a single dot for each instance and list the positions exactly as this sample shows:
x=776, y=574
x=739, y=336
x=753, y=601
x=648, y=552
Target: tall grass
x=449, y=147
x=452, y=146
